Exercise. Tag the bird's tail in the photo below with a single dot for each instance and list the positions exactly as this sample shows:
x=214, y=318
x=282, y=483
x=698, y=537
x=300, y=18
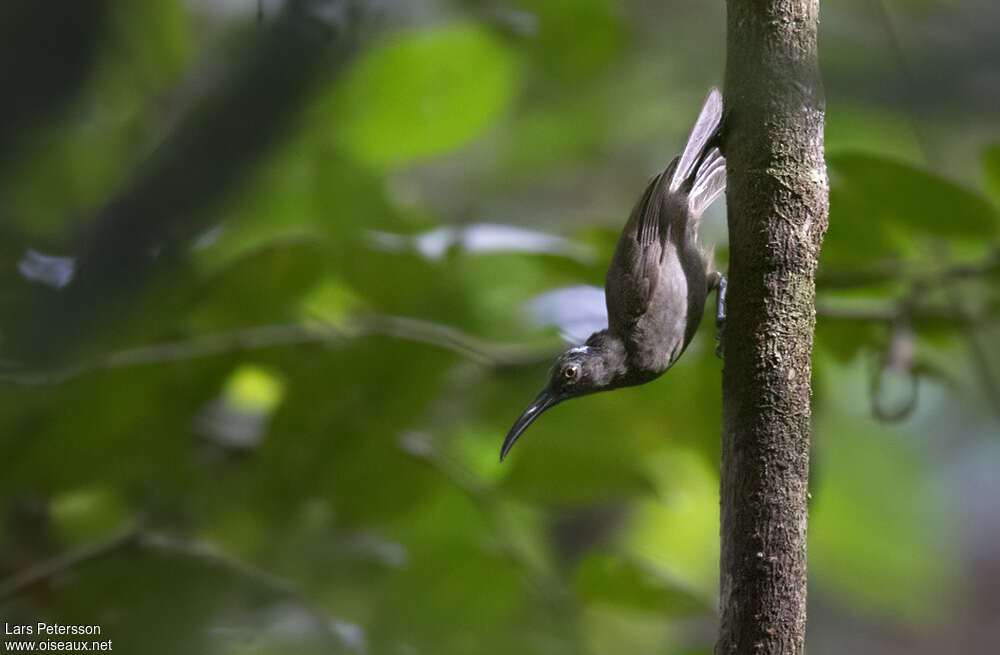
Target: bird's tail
x=701, y=167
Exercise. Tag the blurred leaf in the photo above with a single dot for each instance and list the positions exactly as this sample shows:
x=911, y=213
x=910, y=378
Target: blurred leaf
x=554, y=135
x=149, y=45
x=146, y=436
x=878, y=535
x=262, y=286
x=88, y=514
x=576, y=37
x=306, y=188
x=845, y=338
x=153, y=601
x=991, y=171
x=475, y=448
x=341, y=429
x=572, y=454
x=418, y=94
x=253, y=388
x=678, y=532
x=627, y=584
x=408, y=285
x=610, y=630
x=457, y=586
x=71, y=167
x=853, y=128
x=331, y=301
x=877, y=203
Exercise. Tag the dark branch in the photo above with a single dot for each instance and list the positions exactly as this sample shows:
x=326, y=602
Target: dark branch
x=49, y=49
x=777, y=203
x=893, y=272
x=269, y=336
x=146, y=227
x=50, y=568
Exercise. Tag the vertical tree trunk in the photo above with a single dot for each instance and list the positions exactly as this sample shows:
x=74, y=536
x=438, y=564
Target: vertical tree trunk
x=777, y=196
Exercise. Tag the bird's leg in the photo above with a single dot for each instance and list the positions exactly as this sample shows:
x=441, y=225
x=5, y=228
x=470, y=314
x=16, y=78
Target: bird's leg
x=717, y=281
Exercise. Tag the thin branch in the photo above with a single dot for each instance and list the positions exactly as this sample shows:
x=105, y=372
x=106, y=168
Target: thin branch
x=157, y=542
x=890, y=272
x=50, y=568
x=256, y=576
x=888, y=312
x=879, y=313
x=55, y=566
x=268, y=336
x=979, y=353
x=990, y=266
x=484, y=496
x=445, y=336
x=910, y=79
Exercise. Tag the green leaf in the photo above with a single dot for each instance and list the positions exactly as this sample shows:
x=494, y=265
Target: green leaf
x=871, y=129
x=628, y=584
x=877, y=205
x=422, y=93
x=69, y=168
x=844, y=338
x=144, y=435
x=678, y=531
x=342, y=429
x=573, y=454
x=252, y=388
x=457, y=585
x=262, y=286
x=878, y=534
x=991, y=171
x=87, y=513
x=154, y=600
x=609, y=630
x=576, y=37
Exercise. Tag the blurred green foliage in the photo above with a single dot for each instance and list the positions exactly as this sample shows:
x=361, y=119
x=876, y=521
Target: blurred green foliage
x=290, y=478
x=424, y=93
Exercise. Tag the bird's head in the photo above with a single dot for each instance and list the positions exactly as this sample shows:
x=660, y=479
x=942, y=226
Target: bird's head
x=577, y=372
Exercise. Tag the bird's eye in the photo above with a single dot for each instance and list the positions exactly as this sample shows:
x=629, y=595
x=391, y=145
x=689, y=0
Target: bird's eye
x=569, y=372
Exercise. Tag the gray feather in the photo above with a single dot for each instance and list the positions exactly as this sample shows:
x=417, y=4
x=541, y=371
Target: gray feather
x=709, y=182
x=703, y=130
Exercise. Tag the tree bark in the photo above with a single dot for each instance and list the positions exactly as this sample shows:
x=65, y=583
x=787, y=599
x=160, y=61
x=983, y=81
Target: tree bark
x=778, y=203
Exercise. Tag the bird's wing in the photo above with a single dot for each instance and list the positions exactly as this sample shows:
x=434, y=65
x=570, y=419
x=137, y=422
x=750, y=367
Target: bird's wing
x=635, y=269
x=709, y=183
x=704, y=129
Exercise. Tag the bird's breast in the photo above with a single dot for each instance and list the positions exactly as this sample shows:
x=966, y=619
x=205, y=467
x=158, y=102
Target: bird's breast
x=662, y=333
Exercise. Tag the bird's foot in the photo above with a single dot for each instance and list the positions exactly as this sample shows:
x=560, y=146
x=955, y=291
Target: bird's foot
x=719, y=284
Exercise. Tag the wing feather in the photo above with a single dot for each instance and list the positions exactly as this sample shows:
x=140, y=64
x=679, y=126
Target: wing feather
x=704, y=128
x=635, y=269
x=709, y=183
x=672, y=200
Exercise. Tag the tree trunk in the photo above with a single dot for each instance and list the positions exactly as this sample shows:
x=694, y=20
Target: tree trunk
x=777, y=197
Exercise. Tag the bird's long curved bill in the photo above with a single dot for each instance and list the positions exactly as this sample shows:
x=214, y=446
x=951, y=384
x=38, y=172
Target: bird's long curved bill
x=544, y=401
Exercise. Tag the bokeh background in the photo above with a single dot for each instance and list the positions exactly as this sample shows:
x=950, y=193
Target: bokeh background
x=277, y=278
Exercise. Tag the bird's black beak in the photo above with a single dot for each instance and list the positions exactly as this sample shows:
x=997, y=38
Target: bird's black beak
x=544, y=400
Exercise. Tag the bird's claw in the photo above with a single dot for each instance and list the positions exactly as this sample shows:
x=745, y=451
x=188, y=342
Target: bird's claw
x=720, y=312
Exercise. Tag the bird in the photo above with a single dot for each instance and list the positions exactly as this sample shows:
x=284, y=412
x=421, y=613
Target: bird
x=657, y=283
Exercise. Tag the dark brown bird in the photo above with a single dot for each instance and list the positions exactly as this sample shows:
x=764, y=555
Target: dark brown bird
x=657, y=284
